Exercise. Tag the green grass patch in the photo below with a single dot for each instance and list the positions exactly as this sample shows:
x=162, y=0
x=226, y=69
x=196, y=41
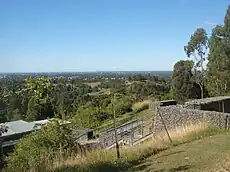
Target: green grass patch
x=197, y=156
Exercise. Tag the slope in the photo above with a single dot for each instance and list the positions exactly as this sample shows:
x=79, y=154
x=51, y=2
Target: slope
x=200, y=155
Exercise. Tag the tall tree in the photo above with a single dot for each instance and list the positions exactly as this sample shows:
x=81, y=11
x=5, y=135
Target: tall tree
x=182, y=84
x=39, y=106
x=197, y=48
x=218, y=67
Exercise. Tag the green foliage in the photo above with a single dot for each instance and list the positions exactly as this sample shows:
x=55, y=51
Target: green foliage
x=40, y=97
x=182, y=84
x=197, y=48
x=101, y=108
x=197, y=45
x=167, y=96
x=146, y=89
x=218, y=71
x=36, y=149
x=84, y=116
x=121, y=104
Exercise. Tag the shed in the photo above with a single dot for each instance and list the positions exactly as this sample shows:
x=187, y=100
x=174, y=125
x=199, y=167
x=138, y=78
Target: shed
x=167, y=102
x=219, y=104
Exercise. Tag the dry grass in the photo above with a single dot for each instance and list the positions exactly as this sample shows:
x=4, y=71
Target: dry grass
x=139, y=106
x=185, y=133
x=103, y=160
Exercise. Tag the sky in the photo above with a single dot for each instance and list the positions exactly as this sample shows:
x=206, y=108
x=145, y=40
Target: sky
x=100, y=35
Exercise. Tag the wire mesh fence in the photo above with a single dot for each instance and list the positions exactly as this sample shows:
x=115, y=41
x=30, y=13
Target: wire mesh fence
x=127, y=133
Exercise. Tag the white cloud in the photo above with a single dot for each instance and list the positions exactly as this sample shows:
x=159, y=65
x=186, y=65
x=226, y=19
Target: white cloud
x=210, y=23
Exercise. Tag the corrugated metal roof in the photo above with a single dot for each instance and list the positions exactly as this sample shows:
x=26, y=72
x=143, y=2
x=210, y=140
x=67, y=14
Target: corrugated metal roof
x=208, y=100
x=15, y=127
x=40, y=122
x=20, y=126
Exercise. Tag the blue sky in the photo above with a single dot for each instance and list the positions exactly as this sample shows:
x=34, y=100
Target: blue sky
x=100, y=35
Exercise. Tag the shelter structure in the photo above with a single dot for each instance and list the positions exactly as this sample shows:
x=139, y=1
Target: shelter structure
x=17, y=129
x=218, y=104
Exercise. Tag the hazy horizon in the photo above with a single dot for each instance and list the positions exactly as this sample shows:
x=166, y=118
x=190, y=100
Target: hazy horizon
x=126, y=71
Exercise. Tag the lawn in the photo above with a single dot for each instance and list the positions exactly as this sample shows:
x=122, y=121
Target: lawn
x=200, y=155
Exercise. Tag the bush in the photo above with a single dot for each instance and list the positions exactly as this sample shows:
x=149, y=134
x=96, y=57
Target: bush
x=35, y=150
x=120, y=108
x=121, y=105
x=126, y=108
x=140, y=106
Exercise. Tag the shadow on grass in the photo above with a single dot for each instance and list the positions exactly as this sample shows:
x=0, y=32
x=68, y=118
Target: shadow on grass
x=103, y=167
x=145, y=167
x=173, y=153
x=180, y=168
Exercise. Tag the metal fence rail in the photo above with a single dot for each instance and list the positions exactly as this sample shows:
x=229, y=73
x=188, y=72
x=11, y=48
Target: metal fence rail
x=129, y=133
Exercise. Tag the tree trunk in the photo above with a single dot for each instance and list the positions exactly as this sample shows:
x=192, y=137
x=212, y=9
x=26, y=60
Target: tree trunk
x=202, y=92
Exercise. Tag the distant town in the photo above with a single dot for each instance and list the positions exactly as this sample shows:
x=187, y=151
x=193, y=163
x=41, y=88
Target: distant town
x=103, y=75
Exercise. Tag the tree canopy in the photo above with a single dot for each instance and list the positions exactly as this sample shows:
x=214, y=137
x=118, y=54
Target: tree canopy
x=218, y=67
x=197, y=49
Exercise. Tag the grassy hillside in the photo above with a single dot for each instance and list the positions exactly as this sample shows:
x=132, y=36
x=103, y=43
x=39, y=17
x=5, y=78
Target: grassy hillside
x=200, y=155
x=132, y=158
x=139, y=111
x=196, y=148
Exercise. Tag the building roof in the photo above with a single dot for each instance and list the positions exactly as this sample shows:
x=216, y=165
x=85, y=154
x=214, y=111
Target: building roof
x=39, y=123
x=208, y=100
x=20, y=126
x=15, y=127
x=164, y=101
x=44, y=121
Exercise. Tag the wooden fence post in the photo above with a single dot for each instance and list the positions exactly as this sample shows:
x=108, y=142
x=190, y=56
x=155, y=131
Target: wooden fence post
x=226, y=122
x=162, y=120
x=222, y=106
x=132, y=134
x=165, y=128
x=142, y=128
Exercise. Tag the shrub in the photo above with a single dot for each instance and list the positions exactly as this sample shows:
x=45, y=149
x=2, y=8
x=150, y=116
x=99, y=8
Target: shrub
x=140, y=106
x=34, y=151
x=121, y=105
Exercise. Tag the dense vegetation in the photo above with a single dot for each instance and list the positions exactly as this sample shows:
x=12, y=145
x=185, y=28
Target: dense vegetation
x=86, y=103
